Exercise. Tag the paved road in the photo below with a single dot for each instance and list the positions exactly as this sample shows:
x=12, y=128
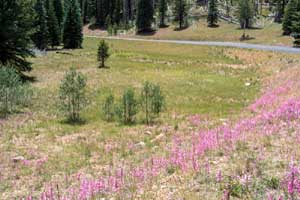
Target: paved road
x=282, y=49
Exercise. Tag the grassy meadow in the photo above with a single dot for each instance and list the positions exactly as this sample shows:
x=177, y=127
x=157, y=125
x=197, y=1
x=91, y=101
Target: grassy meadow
x=216, y=83
x=229, y=32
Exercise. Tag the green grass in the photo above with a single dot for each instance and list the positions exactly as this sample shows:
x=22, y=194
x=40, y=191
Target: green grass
x=204, y=80
x=194, y=79
x=266, y=33
x=269, y=34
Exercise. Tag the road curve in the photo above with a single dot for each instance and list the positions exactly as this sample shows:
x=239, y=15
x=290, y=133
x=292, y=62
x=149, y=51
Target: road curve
x=282, y=49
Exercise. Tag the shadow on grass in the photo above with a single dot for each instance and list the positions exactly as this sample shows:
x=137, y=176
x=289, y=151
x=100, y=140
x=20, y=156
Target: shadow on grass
x=181, y=28
x=105, y=67
x=95, y=27
x=78, y=122
x=148, y=32
x=246, y=38
x=250, y=28
x=164, y=26
x=26, y=78
x=214, y=26
x=5, y=115
x=63, y=52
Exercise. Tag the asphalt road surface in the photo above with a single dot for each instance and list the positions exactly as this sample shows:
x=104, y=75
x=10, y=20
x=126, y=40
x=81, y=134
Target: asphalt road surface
x=282, y=49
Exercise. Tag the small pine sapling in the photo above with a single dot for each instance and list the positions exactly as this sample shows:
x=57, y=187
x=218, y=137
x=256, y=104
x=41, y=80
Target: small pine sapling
x=103, y=53
x=108, y=108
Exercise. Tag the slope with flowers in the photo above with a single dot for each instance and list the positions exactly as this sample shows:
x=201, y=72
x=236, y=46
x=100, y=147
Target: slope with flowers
x=251, y=154
x=254, y=157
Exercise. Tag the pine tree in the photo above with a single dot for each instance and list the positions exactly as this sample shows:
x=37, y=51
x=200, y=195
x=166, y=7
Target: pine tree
x=163, y=7
x=100, y=12
x=245, y=13
x=59, y=12
x=212, y=18
x=91, y=8
x=117, y=14
x=180, y=11
x=40, y=36
x=128, y=10
x=72, y=36
x=145, y=13
x=103, y=53
x=290, y=16
x=16, y=22
x=53, y=25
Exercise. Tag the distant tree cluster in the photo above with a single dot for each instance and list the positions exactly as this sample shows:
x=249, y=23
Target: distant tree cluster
x=142, y=13
x=57, y=23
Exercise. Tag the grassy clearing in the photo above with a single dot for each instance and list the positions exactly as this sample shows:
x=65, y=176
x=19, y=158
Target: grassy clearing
x=270, y=34
x=189, y=78
x=204, y=80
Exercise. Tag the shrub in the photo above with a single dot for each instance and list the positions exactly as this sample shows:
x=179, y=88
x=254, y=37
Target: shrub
x=12, y=91
x=72, y=94
x=108, y=108
x=103, y=53
x=127, y=108
x=152, y=101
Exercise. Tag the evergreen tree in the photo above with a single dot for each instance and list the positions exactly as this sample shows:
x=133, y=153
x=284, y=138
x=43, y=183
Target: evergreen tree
x=91, y=8
x=53, y=25
x=100, y=12
x=117, y=14
x=16, y=22
x=128, y=10
x=72, y=36
x=59, y=12
x=180, y=11
x=212, y=18
x=245, y=13
x=103, y=53
x=84, y=7
x=40, y=36
x=145, y=13
x=162, y=8
x=290, y=16
x=279, y=9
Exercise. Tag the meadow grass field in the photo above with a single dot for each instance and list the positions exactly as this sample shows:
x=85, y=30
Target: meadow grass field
x=204, y=86
x=198, y=31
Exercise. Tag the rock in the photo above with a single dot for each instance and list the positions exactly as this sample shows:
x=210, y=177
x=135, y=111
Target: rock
x=140, y=145
x=158, y=138
x=148, y=133
x=18, y=159
x=154, y=148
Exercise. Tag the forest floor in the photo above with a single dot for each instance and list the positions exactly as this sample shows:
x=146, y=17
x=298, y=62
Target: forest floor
x=204, y=86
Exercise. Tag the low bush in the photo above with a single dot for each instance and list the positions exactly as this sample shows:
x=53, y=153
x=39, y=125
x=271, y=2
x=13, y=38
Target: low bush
x=108, y=108
x=13, y=92
x=152, y=101
x=128, y=107
x=72, y=95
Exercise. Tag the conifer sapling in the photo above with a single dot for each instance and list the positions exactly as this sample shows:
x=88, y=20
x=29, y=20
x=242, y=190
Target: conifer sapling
x=103, y=53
